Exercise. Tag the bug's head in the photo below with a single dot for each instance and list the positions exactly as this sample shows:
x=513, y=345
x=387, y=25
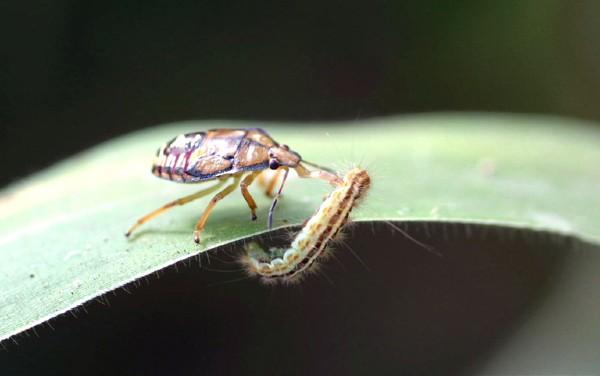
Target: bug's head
x=281, y=155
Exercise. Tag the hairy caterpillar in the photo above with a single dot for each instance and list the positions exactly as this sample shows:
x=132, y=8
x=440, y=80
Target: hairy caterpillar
x=287, y=265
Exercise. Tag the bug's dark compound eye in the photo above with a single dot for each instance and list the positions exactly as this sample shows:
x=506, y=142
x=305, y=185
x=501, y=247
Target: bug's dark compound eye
x=274, y=165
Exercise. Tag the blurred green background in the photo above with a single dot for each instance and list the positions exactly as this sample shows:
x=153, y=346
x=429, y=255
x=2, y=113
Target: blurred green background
x=75, y=73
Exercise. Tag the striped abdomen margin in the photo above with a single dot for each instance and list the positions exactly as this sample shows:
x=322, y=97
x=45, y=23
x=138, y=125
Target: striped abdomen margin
x=287, y=264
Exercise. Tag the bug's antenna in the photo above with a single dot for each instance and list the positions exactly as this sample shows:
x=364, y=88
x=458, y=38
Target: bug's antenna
x=319, y=167
x=274, y=203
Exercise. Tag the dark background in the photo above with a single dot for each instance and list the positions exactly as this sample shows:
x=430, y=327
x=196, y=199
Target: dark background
x=399, y=310
x=74, y=73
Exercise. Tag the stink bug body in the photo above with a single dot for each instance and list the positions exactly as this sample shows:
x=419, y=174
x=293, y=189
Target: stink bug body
x=223, y=155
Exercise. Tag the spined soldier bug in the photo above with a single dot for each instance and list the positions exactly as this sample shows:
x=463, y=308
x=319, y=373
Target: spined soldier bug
x=237, y=156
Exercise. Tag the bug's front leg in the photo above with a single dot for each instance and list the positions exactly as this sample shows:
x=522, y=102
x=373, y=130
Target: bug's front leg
x=247, y=196
x=268, y=183
x=274, y=203
x=211, y=205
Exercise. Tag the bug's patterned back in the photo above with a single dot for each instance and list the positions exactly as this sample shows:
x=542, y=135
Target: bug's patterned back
x=201, y=156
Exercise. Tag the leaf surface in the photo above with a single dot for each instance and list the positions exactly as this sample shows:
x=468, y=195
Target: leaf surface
x=61, y=230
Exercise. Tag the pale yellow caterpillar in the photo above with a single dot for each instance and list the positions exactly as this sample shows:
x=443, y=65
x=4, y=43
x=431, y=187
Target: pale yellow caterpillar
x=286, y=265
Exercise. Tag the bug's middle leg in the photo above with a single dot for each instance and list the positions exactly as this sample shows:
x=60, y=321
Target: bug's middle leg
x=247, y=196
x=211, y=205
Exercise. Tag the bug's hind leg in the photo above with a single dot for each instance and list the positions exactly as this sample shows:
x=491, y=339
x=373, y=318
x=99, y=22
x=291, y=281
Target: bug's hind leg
x=247, y=196
x=178, y=202
x=211, y=205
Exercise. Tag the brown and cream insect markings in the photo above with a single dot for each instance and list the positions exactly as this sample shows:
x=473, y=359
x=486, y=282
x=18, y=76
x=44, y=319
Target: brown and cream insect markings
x=237, y=156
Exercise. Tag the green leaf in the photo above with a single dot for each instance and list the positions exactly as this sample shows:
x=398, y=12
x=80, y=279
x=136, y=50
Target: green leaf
x=61, y=230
